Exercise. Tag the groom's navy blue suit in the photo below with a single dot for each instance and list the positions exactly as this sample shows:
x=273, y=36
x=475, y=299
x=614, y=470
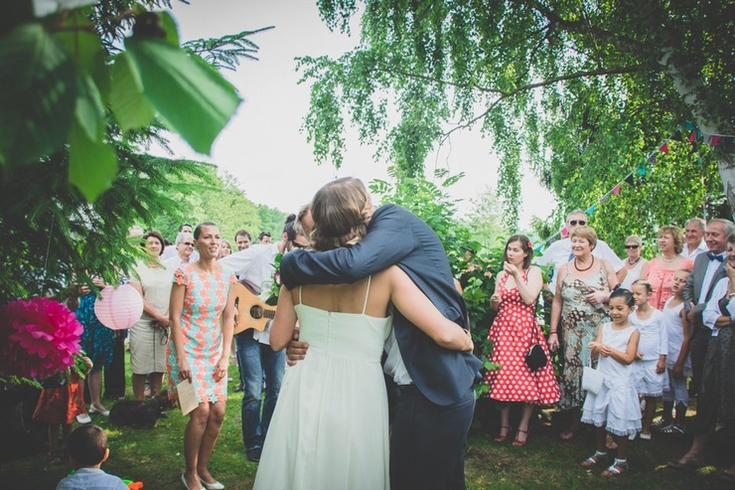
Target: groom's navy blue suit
x=431, y=421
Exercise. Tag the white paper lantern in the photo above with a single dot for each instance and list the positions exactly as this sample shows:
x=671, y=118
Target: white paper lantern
x=118, y=308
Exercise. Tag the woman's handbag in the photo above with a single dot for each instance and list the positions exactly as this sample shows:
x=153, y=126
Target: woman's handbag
x=536, y=357
x=592, y=379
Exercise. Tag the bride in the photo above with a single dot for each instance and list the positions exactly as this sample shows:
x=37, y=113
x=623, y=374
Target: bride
x=330, y=425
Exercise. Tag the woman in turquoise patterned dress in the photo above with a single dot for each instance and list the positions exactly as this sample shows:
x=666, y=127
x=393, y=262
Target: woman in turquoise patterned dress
x=202, y=314
x=98, y=341
x=583, y=287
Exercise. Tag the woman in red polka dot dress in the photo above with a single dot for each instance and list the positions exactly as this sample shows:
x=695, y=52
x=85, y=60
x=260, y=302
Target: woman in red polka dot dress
x=514, y=330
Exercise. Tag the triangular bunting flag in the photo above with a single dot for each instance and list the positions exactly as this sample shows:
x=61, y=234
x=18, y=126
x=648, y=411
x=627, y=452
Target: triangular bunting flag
x=629, y=179
x=715, y=139
x=591, y=209
x=604, y=198
x=616, y=189
x=693, y=137
x=664, y=148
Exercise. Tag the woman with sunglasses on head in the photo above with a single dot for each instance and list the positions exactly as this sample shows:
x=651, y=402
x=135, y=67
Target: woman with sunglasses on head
x=634, y=264
x=660, y=270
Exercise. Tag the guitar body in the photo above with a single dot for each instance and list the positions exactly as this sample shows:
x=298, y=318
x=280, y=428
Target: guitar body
x=251, y=311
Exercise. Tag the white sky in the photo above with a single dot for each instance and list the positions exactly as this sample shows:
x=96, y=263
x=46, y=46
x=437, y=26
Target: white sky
x=263, y=146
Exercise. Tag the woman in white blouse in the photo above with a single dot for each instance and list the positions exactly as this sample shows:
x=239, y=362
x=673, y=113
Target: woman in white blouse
x=149, y=336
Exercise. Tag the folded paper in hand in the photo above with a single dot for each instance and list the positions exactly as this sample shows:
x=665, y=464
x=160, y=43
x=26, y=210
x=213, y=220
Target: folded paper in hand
x=187, y=396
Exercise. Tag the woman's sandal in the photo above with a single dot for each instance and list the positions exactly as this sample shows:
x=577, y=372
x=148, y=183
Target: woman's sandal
x=594, y=460
x=616, y=469
x=517, y=442
x=504, y=431
x=567, y=435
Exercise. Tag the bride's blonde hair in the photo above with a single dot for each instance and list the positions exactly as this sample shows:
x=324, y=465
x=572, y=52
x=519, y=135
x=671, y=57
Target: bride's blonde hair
x=341, y=211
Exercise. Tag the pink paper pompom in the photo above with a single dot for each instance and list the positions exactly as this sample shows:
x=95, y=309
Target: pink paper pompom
x=38, y=338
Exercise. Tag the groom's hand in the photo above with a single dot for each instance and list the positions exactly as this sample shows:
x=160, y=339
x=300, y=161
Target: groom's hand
x=296, y=351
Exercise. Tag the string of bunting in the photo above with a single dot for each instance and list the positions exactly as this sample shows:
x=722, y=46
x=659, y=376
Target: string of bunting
x=694, y=135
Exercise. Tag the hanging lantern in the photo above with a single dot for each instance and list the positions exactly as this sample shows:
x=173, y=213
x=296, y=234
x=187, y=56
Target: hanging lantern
x=118, y=308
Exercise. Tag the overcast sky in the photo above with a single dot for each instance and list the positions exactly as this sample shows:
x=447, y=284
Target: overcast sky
x=263, y=146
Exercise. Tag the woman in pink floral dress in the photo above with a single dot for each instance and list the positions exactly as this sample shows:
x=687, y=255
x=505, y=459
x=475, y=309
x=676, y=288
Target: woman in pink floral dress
x=202, y=313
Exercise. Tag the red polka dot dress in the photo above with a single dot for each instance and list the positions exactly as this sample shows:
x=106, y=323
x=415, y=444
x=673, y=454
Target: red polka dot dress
x=511, y=333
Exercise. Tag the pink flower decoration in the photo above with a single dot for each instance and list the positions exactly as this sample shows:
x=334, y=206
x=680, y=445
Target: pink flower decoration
x=38, y=338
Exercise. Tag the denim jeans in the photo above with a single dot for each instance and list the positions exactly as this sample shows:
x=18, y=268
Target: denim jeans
x=256, y=359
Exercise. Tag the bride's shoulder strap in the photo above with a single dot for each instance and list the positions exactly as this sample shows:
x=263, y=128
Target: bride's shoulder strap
x=367, y=292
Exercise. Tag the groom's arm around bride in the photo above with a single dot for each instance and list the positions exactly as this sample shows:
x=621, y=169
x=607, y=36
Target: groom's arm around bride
x=426, y=451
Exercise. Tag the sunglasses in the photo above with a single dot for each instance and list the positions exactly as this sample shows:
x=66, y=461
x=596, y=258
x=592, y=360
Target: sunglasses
x=188, y=244
x=580, y=222
x=632, y=246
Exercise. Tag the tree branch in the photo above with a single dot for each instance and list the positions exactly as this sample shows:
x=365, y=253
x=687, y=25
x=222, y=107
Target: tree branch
x=507, y=94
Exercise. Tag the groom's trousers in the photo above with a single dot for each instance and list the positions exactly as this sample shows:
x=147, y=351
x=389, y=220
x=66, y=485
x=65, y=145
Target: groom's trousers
x=428, y=441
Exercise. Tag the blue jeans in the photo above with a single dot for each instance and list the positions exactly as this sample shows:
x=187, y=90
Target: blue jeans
x=255, y=359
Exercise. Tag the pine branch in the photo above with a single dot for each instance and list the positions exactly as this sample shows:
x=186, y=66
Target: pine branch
x=226, y=51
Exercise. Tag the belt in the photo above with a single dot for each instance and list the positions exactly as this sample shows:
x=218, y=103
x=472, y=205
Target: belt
x=407, y=390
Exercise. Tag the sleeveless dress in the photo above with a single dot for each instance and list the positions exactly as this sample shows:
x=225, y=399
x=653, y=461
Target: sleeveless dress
x=514, y=329
x=204, y=300
x=633, y=274
x=616, y=406
x=330, y=426
x=97, y=341
x=654, y=341
x=579, y=323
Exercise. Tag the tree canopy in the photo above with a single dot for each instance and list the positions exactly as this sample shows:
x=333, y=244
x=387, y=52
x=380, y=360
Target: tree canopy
x=577, y=92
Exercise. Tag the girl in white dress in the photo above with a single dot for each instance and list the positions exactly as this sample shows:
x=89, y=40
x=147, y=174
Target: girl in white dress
x=615, y=408
x=678, y=362
x=330, y=426
x=649, y=369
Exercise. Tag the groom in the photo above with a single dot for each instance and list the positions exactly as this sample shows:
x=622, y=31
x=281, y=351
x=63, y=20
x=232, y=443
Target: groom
x=435, y=401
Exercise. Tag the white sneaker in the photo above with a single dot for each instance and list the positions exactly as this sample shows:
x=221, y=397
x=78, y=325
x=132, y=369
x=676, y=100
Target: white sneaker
x=84, y=418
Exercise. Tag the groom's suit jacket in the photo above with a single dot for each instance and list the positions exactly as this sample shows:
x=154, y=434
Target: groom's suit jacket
x=397, y=237
x=694, y=286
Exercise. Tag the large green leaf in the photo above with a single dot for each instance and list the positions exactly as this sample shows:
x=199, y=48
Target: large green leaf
x=37, y=97
x=92, y=165
x=191, y=98
x=129, y=104
x=86, y=51
x=89, y=112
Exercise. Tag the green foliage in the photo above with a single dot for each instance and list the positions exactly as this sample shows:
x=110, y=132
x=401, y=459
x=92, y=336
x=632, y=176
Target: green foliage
x=577, y=92
x=59, y=76
x=226, y=52
x=271, y=220
x=54, y=236
x=485, y=219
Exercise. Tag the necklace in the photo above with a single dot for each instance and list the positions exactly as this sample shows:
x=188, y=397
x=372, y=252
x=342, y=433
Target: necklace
x=634, y=262
x=668, y=261
x=583, y=270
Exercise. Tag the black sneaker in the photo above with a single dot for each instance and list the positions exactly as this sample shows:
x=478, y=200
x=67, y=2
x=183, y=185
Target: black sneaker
x=253, y=454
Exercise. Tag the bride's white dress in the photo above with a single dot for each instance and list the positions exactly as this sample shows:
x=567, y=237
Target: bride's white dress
x=330, y=426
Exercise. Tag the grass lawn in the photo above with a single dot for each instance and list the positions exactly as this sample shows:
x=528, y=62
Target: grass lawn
x=154, y=456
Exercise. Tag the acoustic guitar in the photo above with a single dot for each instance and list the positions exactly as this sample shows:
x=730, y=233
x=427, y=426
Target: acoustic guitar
x=251, y=311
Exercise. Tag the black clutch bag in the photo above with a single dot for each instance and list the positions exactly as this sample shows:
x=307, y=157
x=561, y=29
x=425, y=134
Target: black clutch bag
x=536, y=357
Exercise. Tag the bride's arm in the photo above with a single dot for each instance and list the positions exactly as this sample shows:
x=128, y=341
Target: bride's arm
x=420, y=311
x=284, y=321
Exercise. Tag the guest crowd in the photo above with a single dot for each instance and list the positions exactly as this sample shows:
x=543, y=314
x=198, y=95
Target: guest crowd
x=629, y=333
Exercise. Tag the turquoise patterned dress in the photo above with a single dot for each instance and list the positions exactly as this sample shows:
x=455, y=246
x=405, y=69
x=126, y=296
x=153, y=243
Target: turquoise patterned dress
x=204, y=300
x=97, y=341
